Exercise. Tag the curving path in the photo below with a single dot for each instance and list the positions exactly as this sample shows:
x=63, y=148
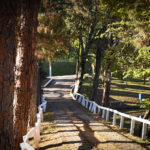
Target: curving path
x=75, y=129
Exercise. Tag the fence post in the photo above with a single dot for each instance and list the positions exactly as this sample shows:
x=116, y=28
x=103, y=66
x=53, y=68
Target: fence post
x=83, y=101
x=86, y=104
x=114, y=119
x=107, y=115
x=132, y=126
x=40, y=113
x=79, y=100
x=90, y=106
x=50, y=69
x=37, y=124
x=144, y=129
x=94, y=108
x=121, y=122
x=25, y=139
x=36, y=137
x=103, y=114
x=98, y=110
x=44, y=107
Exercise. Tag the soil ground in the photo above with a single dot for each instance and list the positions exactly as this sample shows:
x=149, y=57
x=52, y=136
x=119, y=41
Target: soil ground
x=68, y=127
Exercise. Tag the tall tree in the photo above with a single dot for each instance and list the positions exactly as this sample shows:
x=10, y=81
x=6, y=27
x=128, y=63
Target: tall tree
x=24, y=66
x=84, y=22
x=101, y=46
x=8, y=21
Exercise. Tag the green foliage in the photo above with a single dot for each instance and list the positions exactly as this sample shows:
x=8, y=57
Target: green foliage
x=128, y=74
x=131, y=36
x=145, y=103
x=53, y=36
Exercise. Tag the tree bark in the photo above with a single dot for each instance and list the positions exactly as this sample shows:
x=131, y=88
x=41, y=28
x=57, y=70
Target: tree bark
x=8, y=21
x=34, y=96
x=97, y=73
x=75, y=90
x=107, y=84
x=81, y=73
x=34, y=74
x=24, y=67
x=39, y=84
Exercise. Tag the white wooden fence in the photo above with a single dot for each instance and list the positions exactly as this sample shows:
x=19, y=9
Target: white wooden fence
x=35, y=131
x=95, y=108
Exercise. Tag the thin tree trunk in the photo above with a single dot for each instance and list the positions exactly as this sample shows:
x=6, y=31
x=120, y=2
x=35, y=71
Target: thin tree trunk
x=82, y=71
x=24, y=65
x=79, y=76
x=97, y=73
x=107, y=84
x=8, y=21
x=77, y=72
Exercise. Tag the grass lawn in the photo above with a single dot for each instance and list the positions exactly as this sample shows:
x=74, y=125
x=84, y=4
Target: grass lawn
x=59, y=68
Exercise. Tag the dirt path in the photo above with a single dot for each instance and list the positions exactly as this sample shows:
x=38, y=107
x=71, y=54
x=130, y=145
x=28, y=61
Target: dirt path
x=75, y=129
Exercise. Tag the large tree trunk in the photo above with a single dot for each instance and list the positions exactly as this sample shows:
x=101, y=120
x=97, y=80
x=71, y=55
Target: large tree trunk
x=7, y=61
x=107, y=84
x=23, y=69
x=33, y=102
x=97, y=73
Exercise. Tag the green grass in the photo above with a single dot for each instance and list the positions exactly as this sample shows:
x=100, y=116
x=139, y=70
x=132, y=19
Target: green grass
x=63, y=68
x=59, y=68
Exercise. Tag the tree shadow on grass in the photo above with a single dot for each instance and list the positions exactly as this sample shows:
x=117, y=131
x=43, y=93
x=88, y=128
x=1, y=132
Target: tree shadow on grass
x=131, y=86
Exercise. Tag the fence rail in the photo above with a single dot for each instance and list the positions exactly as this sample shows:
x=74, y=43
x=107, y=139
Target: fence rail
x=49, y=81
x=95, y=108
x=35, y=131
